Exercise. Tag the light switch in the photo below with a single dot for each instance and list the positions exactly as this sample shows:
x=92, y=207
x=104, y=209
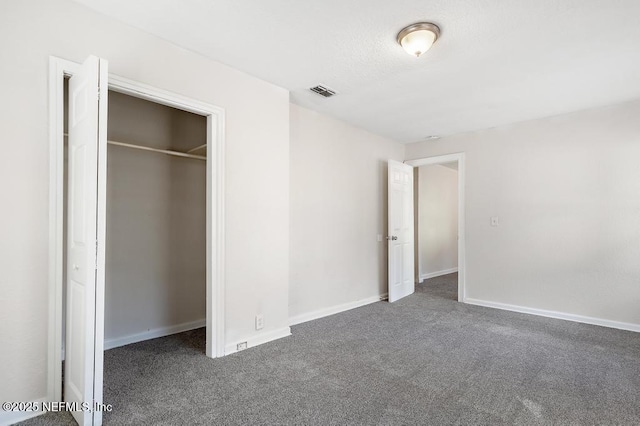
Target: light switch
x=379, y=237
x=494, y=221
x=259, y=322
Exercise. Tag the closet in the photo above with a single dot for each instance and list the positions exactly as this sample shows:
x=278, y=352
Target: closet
x=137, y=228
x=156, y=221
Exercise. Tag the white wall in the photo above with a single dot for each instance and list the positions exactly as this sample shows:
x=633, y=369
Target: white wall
x=338, y=206
x=156, y=220
x=567, y=193
x=437, y=220
x=256, y=187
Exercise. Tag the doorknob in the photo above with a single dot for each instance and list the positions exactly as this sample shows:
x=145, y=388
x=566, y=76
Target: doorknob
x=392, y=238
x=76, y=267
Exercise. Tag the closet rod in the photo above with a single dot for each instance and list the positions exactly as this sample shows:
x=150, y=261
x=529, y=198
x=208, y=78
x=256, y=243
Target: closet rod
x=161, y=151
x=197, y=148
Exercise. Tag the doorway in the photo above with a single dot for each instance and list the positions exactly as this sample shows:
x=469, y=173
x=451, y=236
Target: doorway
x=436, y=229
x=213, y=132
x=440, y=239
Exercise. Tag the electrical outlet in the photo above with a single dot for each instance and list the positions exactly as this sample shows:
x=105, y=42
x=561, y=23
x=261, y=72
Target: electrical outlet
x=242, y=346
x=259, y=322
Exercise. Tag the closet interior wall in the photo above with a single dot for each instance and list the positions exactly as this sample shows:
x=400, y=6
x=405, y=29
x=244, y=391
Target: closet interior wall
x=156, y=221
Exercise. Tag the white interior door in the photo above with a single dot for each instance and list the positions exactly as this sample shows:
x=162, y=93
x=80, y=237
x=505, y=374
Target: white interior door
x=85, y=228
x=401, y=238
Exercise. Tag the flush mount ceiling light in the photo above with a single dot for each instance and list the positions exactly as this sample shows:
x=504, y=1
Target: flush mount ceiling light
x=418, y=38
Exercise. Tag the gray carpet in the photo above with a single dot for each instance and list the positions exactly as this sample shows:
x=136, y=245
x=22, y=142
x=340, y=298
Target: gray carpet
x=423, y=360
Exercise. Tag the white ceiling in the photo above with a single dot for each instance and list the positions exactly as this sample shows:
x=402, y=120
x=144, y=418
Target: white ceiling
x=497, y=61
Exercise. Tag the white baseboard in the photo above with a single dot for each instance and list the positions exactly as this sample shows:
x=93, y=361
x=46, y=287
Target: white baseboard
x=438, y=273
x=554, y=314
x=299, y=319
x=258, y=339
x=12, y=417
x=154, y=333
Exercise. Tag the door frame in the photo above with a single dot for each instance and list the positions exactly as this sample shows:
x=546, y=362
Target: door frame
x=215, y=275
x=449, y=158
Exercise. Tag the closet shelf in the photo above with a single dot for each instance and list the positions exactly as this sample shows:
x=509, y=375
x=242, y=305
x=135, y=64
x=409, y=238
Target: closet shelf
x=161, y=151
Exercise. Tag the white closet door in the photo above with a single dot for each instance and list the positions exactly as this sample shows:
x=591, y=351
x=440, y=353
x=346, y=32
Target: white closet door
x=85, y=228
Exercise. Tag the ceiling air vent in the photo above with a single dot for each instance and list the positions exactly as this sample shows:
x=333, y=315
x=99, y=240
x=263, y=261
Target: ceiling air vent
x=323, y=91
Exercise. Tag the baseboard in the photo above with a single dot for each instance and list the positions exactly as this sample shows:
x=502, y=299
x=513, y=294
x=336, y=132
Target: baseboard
x=154, y=333
x=554, y=314
x=13, y=417
x=438, y=273
x=299, y=319
x=258, y=339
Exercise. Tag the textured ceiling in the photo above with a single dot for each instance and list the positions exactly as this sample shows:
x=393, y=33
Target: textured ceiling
x=497, y=61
